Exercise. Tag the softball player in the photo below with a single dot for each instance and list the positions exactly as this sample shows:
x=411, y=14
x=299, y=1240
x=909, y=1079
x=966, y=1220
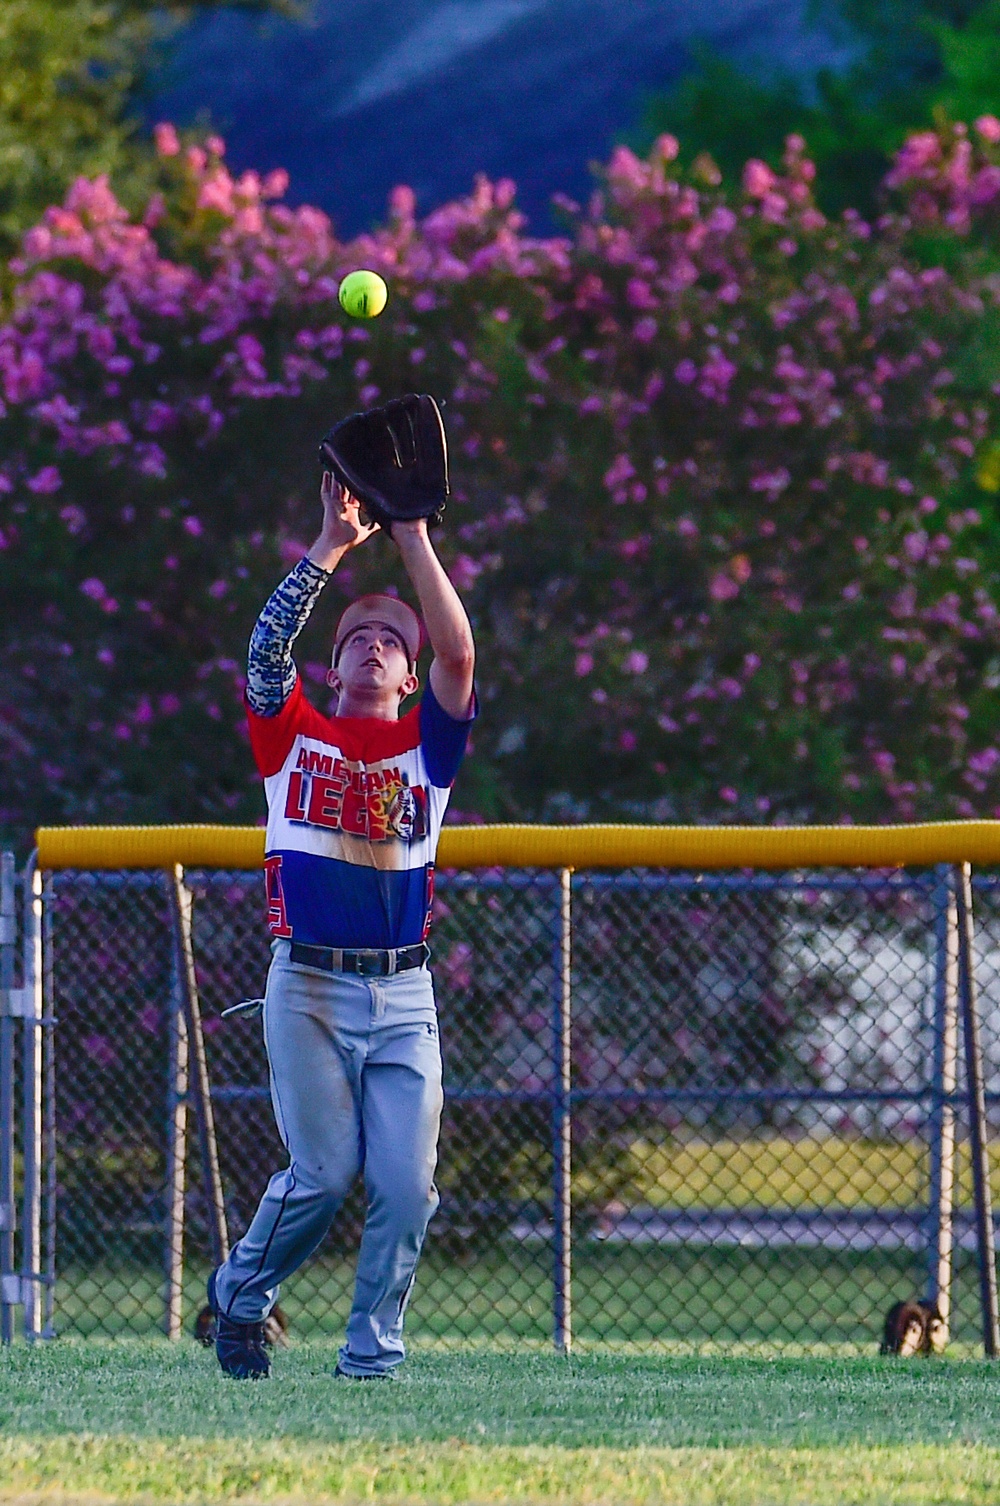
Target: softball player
x=355, y=806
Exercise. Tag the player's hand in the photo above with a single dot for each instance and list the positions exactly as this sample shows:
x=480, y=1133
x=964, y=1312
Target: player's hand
x=344, y=524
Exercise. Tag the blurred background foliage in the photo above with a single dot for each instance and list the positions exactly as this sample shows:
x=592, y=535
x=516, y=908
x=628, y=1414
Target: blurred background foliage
x=73, y=77
x=917, y=62
x=724, y=485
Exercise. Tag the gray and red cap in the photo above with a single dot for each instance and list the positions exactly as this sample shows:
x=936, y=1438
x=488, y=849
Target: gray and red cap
x=386, y=611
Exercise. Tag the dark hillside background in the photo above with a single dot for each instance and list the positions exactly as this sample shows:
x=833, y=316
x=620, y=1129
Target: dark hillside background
x=360, y=95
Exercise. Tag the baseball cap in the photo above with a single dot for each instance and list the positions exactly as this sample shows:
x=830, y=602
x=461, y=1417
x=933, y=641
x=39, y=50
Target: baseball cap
x=387, y=609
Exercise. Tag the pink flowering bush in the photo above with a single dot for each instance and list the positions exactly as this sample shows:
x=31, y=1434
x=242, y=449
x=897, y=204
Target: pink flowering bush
x=771, y=487
x=723, y=508
x=952, y=177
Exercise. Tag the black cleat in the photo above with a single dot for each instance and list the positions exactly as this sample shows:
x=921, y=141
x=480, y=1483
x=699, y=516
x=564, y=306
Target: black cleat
x=370, y=1375
x=275, y=1328
x=239, y=1347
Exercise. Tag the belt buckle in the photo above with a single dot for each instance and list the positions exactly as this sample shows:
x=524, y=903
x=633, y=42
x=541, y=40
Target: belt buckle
x=369, y=964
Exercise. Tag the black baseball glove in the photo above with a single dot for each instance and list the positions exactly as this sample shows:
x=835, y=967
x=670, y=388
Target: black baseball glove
x=394, y=459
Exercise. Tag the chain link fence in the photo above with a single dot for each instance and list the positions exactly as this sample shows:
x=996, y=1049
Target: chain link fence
x=684, y=1112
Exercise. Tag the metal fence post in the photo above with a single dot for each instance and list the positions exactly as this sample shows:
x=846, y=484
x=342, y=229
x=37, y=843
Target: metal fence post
x=31, y=1240
x=49, y=1129
x=562, y=1122
x=9, y=1282
x=181, y=910
x=977, y=1117
x=944, y=1079
x=177, y=1088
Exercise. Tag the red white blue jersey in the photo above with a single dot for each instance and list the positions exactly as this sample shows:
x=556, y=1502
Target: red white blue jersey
x=355, y=807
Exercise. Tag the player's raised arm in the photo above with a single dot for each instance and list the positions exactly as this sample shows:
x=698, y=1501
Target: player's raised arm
x=395, y=458
x=445, y=619
x=271, y=671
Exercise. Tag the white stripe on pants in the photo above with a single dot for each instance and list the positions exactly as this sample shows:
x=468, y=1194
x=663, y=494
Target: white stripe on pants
x=356, y=1085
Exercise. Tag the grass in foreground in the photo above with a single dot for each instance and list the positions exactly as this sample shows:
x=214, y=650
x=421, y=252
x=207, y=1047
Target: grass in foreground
x=144, y=1420
x=95, y=1470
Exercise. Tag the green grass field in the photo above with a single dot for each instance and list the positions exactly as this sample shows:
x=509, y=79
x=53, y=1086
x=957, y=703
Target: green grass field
x=145, y=1421
x=731, y=1376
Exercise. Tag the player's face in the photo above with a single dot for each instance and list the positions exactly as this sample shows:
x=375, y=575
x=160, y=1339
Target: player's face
x=373, y=657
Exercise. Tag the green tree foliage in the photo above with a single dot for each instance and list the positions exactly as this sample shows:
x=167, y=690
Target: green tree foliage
x=71, y=79
x=68, y=69
x=970, y=57
x=916, y=59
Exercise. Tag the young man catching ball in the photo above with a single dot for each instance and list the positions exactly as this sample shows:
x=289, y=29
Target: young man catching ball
x=355, y=806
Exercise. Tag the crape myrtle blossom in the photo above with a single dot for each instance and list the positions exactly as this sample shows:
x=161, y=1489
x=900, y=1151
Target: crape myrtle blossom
x=839, y=415
x=715, y=460
x=952, y=176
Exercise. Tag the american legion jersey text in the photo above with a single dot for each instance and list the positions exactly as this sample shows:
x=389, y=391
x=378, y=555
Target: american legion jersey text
x=354, y=812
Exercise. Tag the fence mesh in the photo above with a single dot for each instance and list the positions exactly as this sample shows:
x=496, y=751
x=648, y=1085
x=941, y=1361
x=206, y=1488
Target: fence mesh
x=755, y=1105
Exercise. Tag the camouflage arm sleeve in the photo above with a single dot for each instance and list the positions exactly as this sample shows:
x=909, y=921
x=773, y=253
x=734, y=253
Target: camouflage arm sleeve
x=271, y=672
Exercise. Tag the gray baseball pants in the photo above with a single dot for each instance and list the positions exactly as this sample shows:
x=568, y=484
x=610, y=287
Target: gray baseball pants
x=356, y=1085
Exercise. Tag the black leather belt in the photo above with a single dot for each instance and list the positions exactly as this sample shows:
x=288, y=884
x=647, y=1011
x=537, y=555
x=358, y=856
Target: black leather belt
x=366, y=963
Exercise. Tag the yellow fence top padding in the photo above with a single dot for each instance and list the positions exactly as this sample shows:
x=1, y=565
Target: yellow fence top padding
x=687, y=847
